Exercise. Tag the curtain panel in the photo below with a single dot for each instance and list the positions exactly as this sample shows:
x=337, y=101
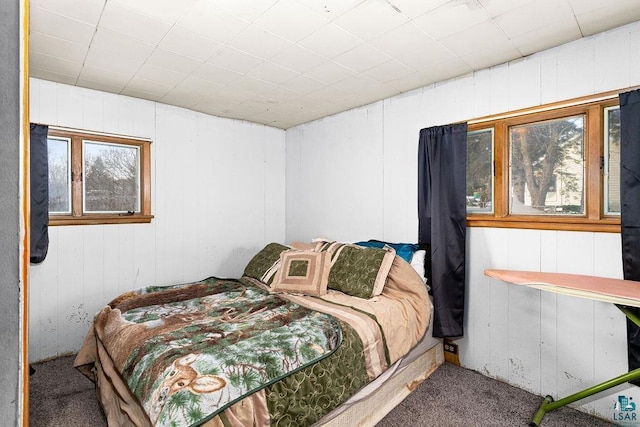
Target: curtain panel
x=630, y=207
x=39, y=188
x=442, y=216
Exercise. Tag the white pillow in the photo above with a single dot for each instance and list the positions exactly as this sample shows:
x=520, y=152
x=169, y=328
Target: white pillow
x=417, y=262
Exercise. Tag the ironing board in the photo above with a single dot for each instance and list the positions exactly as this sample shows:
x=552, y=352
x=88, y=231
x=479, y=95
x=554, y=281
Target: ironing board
x=622, y=293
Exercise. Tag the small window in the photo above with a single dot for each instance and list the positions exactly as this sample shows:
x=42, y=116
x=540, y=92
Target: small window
x=59, y=154
x=612, y=161
x=547, y=167
x=480, y=171
x=98, y=179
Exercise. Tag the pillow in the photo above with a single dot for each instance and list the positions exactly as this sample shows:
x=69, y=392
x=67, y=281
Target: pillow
x=359, y=271
x=403, y=250
x=265, y=263
x=417, y=262
x=302, y=272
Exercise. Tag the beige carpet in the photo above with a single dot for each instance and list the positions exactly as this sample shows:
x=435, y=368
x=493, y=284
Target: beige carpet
x=452, y=396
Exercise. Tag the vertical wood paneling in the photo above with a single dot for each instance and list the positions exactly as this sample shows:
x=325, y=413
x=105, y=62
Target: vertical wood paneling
x=575, y=327
x=539, y=341
x=524, y=312
x=209, y=199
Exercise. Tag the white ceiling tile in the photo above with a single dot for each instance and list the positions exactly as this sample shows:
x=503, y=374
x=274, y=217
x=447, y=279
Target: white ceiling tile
x=101, y=86
x=108, y=60
x=585, y=6
x=173, y=61
x=216, y=74
x=413, y=8
x=56, y=65
x=45, y=22
x=51, y=76
x=225, y=95
x=546, y=37
x=168, y=11
x=260, y=43
x=159, y=74
x=426, y=56
x=533, y=16
x=63, y=49
x=154, y=89
x=298, y=59
x=190, y=44
x=234, y=59
x=481, y=36
x=500, y=53
x=88, y=12
x=330, y=9
x=304, y=84
x=140, y=94
x=329, y=72
x=329, y=94
x=125, y=21
x=190, y=91
x=247, y=9
x=290, y=20
x=121, y=45
x=406, y=37
x=413, y=81
x=390, y=70
x=380, y=18
x=498, y=7
x=451, y=18
x=330, y=41
x=611, y=15
x=362, y=58
x=272, y=73
x=104, y=75
x=357, y=83
x=203, y=18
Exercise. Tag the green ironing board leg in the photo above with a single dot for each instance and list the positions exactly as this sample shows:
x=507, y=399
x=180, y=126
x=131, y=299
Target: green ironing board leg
x=548, y=404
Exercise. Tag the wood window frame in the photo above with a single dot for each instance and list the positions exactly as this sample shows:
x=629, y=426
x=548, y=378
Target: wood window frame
x=594, y=218
x=77, y=216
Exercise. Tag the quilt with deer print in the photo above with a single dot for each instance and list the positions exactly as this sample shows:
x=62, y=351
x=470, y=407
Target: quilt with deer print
x=188, y=351
x=226, y=352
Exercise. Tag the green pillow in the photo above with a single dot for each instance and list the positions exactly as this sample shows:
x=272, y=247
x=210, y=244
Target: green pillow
x=358, y=271
x=265, y=263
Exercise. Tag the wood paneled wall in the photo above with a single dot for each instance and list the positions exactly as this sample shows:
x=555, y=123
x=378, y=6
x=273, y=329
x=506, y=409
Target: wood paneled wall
x=218, y=196
x=353, y=176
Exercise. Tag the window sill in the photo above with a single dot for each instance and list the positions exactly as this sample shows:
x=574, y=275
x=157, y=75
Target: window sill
x=607, y=225
x=99, y=219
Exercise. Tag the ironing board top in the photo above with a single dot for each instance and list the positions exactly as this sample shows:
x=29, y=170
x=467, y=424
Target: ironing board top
x=616, y=291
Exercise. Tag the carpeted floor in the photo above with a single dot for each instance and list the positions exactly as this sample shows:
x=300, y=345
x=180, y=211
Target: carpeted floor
x=450, y=397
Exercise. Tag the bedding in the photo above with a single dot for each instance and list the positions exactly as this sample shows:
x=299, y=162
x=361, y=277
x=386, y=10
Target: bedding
x=235, y=352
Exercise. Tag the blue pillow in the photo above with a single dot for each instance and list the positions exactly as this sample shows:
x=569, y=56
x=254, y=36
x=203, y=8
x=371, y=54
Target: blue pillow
x=403, y=250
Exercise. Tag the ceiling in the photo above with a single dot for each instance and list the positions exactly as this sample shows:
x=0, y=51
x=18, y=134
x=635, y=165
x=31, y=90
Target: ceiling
x=286, y=62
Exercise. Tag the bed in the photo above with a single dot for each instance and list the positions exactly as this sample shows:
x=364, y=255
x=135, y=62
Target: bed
x=319, y=333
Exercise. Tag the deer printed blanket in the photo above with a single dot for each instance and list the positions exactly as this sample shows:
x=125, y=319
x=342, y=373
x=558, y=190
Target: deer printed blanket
x=157, y=358
x=189, y=351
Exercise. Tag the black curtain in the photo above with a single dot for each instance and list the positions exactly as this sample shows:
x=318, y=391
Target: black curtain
x=442, y=215
x=39, y=175
x=630, y=207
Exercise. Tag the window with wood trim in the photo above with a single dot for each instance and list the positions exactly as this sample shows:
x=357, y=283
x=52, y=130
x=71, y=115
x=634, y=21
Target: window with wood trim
x=554, y=167
x=98, y=179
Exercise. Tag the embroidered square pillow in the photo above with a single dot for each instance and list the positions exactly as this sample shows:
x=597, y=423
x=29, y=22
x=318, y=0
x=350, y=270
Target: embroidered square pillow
x=302, y=272
x=358, y=271
x=265, y=263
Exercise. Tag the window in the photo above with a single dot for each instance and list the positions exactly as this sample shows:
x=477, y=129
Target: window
x=480, y=171
x=612, y=161
x=98, y=179
x=555, y=167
